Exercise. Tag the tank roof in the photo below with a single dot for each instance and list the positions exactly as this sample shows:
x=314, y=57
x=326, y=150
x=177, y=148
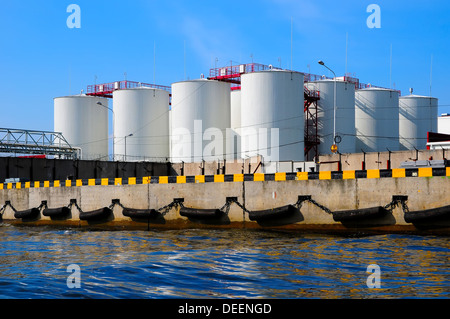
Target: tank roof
x=414, y=96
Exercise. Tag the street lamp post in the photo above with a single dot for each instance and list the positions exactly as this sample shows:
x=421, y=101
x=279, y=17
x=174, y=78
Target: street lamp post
x=126, y=145
x=114, y=123
x=334, y=105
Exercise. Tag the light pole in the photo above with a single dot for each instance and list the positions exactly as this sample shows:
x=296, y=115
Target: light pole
x=114, y=123
x=126, y=145
x=334, y=105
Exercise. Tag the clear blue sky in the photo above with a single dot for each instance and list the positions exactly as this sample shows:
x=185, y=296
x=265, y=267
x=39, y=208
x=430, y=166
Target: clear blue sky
x=41, y=58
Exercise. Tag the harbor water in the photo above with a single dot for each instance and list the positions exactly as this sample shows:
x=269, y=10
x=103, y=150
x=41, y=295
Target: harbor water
x=49, y=263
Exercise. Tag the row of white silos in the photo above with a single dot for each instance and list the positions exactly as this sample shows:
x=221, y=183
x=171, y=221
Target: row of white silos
x=140, y=124
x=208, y=121
x=387, y=121
x=372, y=119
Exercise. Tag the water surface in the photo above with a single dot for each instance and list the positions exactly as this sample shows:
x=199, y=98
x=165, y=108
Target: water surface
x=218, y=264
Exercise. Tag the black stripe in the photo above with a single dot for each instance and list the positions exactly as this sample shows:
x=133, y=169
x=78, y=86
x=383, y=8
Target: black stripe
x=313, y=175
x=385, y=173
x=248, y=177
x=172, y=179
x=228, y=178
x=439, y=171
x=360, y=174
x=291, y=176
x=336, y=175
x=411, y=172
x=190, y=179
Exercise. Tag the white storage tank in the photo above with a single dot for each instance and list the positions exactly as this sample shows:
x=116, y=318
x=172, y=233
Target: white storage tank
x=377, y=120
x=418, y=116
x=272, y=119
x=200, y=117
x=144, y=113
x=345, y=115
x=83, y=121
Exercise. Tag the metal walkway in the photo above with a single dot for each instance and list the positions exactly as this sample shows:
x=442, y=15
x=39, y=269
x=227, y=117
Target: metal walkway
x=20, y=141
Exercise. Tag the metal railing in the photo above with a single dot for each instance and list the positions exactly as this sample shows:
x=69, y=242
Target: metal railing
x=106, y=89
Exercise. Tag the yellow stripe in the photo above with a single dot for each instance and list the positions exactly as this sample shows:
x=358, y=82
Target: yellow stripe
x=146, y=180
x=258, y=177
x=1, y=186
x=398, y=172
x=131, y=180
x=325, y=175
x=55, y=183
x=37, y=184
x=46, y=184
x=19, y=185
x=373, y=173
x=238, y=177
x=280, y=176
x=199, y=178
x=163, y=179
x=118, y=181
x=79, y=182
x=348, y=175
x=181, y=179
x=104, y=182
x=447, y=170
x=68, y=183
x=27, y=184
x=425, y=172
x=91, y=182
x=9, y=186
x=219, y=178
x=302, y=176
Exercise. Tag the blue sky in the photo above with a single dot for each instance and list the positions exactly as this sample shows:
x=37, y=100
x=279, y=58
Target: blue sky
x=41, y=58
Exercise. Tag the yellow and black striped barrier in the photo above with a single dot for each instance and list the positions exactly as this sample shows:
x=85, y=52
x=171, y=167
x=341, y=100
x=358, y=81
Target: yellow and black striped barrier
x=257, y=177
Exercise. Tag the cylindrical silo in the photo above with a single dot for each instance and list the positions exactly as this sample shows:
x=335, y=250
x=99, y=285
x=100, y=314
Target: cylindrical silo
x=377, y=120
x=345, y=115
x=272, y=119
x=418, y=116
x=83, y=121
x=141, y=124
x=199, y=121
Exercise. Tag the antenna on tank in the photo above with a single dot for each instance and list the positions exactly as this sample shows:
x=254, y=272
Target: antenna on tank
x=292, y=40
x=431, y=73
x=390, y=69
x=185, y=59
x=346, y=52
x=154, y=61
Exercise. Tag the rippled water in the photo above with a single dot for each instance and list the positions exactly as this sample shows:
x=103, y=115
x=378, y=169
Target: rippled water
x=218, y=264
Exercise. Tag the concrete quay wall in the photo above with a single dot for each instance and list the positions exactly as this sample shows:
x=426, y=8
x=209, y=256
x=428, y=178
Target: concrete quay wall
x=334, y=191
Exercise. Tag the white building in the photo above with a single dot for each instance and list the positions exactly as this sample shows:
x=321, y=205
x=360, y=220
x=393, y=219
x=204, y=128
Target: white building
x=444, y=123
